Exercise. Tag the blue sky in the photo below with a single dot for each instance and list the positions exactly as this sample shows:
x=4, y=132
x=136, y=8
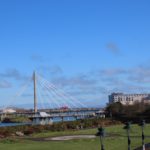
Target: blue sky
x=89, y=48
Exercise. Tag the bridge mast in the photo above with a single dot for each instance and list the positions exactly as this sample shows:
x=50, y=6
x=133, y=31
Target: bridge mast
x=35, y=96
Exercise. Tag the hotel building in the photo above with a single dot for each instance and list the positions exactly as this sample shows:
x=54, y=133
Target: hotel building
x=128, y=99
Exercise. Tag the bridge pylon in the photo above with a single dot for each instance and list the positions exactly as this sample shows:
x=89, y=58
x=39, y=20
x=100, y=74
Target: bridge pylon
x=35, y=93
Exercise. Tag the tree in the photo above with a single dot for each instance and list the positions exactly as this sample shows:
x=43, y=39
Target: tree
x=115, y=109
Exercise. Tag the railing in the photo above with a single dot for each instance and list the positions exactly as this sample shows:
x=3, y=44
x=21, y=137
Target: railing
x=127, y=127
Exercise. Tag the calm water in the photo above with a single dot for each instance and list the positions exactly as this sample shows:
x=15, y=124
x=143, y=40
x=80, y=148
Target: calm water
x=12, y=124
x=57, y=119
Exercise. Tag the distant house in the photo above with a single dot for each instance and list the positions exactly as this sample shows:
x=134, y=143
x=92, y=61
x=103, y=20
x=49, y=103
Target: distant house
x=128, y=99
x=43, y=114
x=8, y=110
x=101, y=113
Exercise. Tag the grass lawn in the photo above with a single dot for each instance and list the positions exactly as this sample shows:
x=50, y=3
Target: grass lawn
x=116, y=141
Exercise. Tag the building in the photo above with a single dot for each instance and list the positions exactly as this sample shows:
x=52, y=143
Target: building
x=9, y=111
x=128, y=99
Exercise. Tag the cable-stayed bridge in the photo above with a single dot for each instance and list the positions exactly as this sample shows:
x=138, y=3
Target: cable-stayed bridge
x=59, y=104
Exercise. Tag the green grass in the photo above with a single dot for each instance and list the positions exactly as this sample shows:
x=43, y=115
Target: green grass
x=17, y=119
x=62, y=133
x=116, y=142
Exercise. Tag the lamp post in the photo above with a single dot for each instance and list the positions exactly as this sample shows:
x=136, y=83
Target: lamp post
x=127, y=127
x=101, y=133
x=142, y=124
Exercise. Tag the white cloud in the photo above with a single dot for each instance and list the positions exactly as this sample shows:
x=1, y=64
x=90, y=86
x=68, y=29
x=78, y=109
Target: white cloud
x=13, y=74
x=5, y=84
x=112, y=47
x=37, y=58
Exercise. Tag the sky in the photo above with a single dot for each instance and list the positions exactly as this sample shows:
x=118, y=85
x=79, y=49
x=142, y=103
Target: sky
x=88, y=48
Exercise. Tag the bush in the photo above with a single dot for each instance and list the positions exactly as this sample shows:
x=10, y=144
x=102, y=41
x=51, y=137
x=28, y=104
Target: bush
x=28, y=132
x=61, y=126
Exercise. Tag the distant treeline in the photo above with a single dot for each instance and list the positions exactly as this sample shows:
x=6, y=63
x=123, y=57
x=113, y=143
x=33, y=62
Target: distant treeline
x=134, y=113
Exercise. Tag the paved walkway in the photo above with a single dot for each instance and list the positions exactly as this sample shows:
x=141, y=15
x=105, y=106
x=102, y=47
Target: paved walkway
x=64, y=138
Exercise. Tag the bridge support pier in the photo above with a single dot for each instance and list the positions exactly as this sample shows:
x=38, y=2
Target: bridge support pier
x=62, y=119
x=42, y=121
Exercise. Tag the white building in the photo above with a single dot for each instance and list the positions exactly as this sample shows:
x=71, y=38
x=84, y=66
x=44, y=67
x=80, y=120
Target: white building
x=129, y=99
x=9, y=110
